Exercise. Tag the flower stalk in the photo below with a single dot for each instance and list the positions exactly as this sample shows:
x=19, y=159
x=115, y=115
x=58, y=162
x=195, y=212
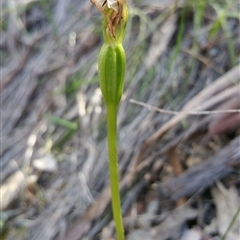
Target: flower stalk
x=111, y=68
x=113, y=170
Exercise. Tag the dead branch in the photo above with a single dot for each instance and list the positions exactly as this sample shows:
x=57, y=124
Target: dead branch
x=204, y=175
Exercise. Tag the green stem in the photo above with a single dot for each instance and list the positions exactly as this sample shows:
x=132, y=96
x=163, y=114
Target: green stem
x=113, y=169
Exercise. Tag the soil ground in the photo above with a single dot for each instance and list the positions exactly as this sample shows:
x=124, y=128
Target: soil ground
x=179, y=119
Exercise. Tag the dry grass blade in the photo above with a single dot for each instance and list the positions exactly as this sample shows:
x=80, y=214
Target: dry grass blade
x=152, y=108
x=224, y=87
x=160, y=41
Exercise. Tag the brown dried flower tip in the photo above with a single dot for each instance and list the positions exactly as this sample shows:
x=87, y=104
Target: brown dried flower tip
x=112, y=10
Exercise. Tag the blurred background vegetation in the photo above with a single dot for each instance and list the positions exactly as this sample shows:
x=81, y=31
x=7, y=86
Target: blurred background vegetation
x=54, y=176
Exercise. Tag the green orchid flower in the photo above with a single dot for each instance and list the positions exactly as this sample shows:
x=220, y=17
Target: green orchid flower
x=111, y=68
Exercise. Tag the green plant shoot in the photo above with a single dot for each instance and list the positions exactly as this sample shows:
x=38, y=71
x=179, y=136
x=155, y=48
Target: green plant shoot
x=111, y=68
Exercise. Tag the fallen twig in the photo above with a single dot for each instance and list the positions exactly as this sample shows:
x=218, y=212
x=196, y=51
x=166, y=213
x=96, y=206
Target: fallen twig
x=203, y=175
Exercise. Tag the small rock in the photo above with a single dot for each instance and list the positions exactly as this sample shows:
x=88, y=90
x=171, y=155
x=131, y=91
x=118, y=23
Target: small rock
x=47, y=163
x=139, y=234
